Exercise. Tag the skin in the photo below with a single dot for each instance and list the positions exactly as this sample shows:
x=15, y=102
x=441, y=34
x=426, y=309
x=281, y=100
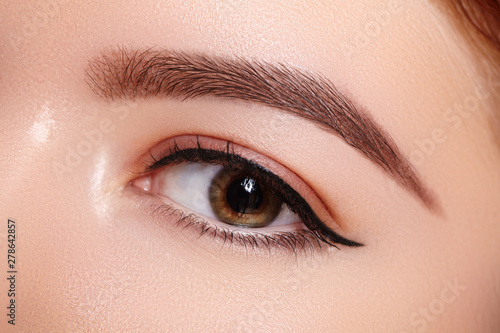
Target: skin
x=93, y=257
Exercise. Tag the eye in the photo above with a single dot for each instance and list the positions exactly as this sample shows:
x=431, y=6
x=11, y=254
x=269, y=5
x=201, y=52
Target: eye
x=233, y=195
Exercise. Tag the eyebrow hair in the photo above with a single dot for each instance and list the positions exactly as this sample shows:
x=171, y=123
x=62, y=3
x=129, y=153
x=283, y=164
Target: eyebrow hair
x=123, y=74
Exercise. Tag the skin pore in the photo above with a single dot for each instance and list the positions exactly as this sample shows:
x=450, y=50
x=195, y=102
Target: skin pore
x=95, y=252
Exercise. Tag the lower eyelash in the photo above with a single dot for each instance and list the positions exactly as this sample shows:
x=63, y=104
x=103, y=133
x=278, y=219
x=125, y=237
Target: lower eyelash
x=295, y=242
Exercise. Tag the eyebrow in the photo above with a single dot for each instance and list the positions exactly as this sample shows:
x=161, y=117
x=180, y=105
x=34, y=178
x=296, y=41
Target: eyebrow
x=123, y=74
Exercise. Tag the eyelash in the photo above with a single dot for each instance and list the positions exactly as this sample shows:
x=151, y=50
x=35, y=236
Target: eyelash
x=316, y=235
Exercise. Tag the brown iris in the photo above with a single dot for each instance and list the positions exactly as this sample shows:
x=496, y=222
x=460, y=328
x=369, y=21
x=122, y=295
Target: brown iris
x=240, y=199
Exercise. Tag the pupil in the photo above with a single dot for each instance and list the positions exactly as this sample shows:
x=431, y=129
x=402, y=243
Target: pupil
x=244, y=195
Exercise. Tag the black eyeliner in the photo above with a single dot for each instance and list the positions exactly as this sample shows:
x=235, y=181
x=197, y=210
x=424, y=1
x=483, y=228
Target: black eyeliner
x=231, y=161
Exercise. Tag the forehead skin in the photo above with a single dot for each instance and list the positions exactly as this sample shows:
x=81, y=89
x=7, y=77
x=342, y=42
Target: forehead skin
x=92, y=259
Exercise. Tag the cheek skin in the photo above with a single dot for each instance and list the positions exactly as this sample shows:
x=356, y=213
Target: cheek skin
x=94, y=257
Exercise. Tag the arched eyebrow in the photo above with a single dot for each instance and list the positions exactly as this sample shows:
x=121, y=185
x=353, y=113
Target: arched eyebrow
x=138, y=74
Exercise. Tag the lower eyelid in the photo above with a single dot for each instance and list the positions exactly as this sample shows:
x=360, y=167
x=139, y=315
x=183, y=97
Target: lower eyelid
x=290, y=227
x=295, y=240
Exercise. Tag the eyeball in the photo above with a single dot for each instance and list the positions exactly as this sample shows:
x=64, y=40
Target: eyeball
x=229, y=196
